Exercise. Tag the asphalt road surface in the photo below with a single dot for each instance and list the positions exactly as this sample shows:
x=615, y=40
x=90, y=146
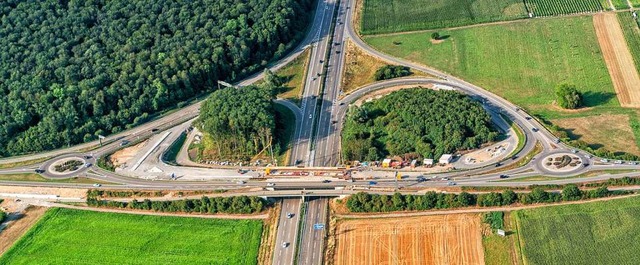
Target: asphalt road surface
x=326, y=151
x=312, y=243
x=287, y=232
x=319, y=47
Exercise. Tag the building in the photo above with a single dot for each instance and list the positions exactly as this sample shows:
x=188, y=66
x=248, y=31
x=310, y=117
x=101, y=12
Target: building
x=427, y=162
x=386, y=163
x=445, y=159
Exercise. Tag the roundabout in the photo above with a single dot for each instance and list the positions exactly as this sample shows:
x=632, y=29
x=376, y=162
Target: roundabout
x=67, y=166
x=561, y=163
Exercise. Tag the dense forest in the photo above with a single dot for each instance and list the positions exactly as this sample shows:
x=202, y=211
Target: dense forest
x=73, y=69
x=415, y=122
x=239, y=122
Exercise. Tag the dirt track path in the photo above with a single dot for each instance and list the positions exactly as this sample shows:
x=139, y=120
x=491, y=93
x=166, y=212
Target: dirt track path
x=617, y=56
x=472, y=210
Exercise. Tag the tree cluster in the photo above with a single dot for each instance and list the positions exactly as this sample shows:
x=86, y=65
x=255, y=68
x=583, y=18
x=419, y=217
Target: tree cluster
x=240, y=121
x=494, y=219
x=417, y=121
x=213, y=205
x=70, y=70
x=364, y=202
x=3, y=216
x=568, y=97
x=391, y=71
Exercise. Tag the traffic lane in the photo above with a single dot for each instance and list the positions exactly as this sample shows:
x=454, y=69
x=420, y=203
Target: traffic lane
x=327, y=114
x=312, y=89
x=287, y=232
x=312, y=243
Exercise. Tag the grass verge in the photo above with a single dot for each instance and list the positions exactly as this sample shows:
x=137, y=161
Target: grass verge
x=285, y=128
x=171, y=153
x=293, y=75
x=32, y=177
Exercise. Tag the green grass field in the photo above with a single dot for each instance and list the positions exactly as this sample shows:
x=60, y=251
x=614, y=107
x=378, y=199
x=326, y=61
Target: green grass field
x=593, y=233
x=635, y=3
x=382, y=16
x=66, y=236
x=620, y=4
x=560, y=7
x=522, y=61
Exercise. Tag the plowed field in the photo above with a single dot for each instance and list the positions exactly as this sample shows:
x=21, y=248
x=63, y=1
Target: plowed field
x=441, y=239
x=618, y=58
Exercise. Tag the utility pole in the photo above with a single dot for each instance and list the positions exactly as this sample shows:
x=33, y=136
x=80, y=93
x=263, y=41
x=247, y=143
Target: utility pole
x=100, y=137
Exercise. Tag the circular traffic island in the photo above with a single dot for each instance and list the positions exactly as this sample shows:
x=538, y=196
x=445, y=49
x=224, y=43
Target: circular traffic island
x=66, y=166
x=561, y=163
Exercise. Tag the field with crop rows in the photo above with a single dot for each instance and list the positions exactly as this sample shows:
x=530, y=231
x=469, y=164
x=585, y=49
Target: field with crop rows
x=559, y=7
x=65, y=236
x=438, y=239
x=619, y=4
x=384, y=16
x=631, y=32
x=593, y=233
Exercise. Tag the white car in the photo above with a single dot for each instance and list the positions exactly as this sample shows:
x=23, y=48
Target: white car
x=97, y=185
x=270, y=184
x=285, y=244
x=310, y=116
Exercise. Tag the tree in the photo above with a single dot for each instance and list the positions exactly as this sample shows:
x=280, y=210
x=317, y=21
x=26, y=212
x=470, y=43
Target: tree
x=571, y=193
x=391, y=71
x=435, y=36
x=568, y=97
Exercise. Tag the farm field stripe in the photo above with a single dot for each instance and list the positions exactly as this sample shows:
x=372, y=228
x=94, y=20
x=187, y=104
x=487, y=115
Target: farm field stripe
x=618, y=59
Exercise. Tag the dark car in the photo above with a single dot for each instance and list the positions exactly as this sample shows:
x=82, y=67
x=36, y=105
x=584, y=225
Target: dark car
x=326, y=181
x=498, y=164
x=39, y=171
x=372, y=183
x=154, y=130
x=504, y=176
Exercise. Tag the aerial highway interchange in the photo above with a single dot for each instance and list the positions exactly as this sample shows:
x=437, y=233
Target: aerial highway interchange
x=316, y=145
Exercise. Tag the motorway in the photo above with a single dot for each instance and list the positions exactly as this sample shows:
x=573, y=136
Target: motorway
x=316, y=142
x=313, y=238
x=326, y=150
x=287, y=232
x=319, y=47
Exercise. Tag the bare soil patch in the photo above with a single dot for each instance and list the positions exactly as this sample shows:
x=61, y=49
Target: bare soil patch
x=62, y=192
x=16, y=228
x=600, y=130
x=443, y=239
x=124, y=155
x=617, y=56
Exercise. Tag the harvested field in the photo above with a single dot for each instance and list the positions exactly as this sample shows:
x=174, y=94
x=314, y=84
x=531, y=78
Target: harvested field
x=599, y=129
x=441, y=239
x=618, y=59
